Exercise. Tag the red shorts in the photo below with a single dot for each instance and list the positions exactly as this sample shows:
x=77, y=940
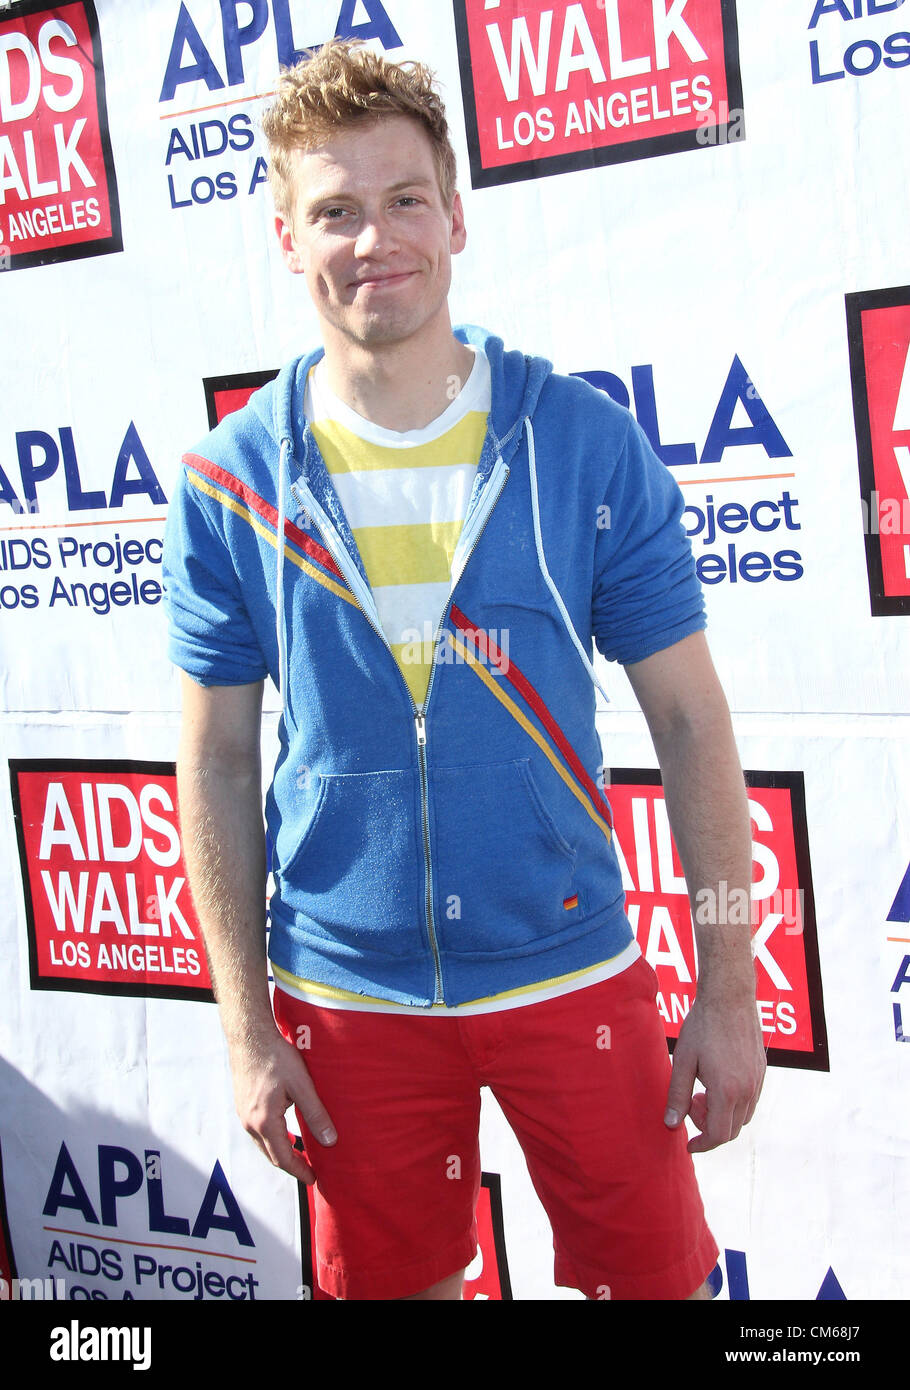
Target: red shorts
x=582, y=1080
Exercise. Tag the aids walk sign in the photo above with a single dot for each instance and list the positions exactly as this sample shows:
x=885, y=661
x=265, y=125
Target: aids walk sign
x=107, y=901
x=780, y=910
x=878, y=329
x=58, y=188
x=549, y=88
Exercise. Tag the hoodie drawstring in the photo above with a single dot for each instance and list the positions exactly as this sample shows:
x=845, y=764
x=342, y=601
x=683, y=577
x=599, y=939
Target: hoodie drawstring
x=541, y=560
x=279, y=579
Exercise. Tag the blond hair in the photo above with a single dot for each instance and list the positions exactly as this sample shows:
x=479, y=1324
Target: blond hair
x=338, y=86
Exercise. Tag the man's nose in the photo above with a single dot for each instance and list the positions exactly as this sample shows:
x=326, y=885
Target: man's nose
x=375, y=237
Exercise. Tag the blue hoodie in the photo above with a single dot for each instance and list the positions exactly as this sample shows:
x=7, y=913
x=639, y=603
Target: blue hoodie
x=463, y=849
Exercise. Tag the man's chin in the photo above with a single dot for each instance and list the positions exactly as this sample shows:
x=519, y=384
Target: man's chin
x=380, y=330
x=384, y=326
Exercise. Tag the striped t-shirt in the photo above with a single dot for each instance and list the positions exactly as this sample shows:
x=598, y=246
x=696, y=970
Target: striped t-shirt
x=405, y=496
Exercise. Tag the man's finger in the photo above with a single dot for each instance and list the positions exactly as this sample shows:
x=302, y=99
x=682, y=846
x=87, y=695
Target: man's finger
x=682, y=1084
x=277, y=1145
x=723, y=1123
x=698, y=1110
x=312, y=1112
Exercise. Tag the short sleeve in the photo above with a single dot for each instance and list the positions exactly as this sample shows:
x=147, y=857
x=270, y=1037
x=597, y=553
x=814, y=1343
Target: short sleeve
x=211, y=634
x=646, y=593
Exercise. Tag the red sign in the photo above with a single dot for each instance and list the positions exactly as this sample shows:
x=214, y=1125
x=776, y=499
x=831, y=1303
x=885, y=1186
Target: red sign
x=554, y=87
x=225, y=394
x=780, y=909
x=58, y=190
x=107, y=899
x=486, y=1278
x=879, y=333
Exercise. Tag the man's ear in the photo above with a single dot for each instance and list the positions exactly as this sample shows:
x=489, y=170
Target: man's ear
x=288, y=246
x=459, y=231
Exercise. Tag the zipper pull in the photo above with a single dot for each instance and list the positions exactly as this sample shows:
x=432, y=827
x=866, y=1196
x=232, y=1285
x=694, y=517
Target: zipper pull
x=420, y=721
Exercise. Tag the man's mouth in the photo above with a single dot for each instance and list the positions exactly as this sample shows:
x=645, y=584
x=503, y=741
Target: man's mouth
x=379, y=280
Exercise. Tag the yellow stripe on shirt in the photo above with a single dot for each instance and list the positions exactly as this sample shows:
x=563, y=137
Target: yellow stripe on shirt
x=418, y=554
x=345, y=452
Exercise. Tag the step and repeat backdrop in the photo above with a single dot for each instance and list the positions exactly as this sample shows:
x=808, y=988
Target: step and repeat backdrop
x=698, y=205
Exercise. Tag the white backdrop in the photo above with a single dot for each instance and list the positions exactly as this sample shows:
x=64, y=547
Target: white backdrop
x=709, y=278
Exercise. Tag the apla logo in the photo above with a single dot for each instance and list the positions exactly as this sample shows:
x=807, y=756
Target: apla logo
x=741, y=420
x=193, y=181
x=39, y=456
x=190, y=60
x=738, y=393
x=50, y=480
x=151, y=1269
x=122, y=1174
x=738, y=1281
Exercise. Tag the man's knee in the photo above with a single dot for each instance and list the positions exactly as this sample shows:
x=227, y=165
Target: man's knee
x=701, y=1293
x=447, y=1289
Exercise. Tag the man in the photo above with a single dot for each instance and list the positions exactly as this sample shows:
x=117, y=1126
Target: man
x=457, y=522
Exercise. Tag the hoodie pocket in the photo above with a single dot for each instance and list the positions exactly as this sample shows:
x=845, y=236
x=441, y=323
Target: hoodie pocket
x=505, y=873
x=357, y=872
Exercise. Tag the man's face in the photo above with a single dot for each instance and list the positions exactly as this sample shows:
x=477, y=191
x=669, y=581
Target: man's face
x=370, y=232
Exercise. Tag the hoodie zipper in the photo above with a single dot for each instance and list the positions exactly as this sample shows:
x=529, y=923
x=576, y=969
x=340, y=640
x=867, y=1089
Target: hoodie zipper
x=419, y=715
x=421, y=722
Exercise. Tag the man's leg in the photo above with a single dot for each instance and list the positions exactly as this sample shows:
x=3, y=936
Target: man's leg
x=395, y=1196
x=702, y=1292
x=582, y=1080
x=450, y=1289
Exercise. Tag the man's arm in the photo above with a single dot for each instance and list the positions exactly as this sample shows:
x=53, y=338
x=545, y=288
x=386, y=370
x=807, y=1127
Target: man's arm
x=720, y=1041
x=219, y=792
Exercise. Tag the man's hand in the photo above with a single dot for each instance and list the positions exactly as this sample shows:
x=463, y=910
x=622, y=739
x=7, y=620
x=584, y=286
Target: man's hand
x=721, y=1045
x=269, y=1076
x=720, y=1041
x=219, y=789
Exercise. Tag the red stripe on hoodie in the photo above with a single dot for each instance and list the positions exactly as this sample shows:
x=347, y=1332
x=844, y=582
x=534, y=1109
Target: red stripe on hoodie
x=266, y=511
x=521, y=683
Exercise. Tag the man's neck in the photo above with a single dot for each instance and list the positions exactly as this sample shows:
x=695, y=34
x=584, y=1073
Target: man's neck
x=398, y=386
